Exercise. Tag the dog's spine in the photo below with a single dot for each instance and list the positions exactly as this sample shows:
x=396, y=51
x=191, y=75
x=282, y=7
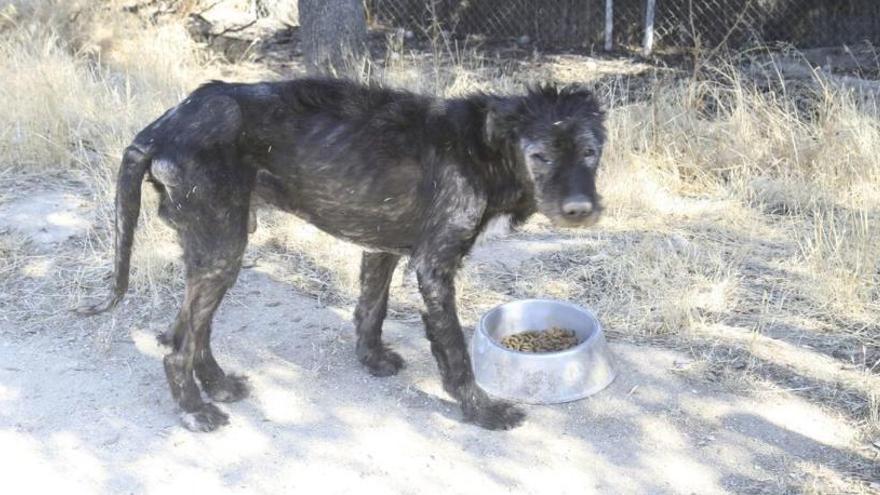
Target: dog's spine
x=135, y=162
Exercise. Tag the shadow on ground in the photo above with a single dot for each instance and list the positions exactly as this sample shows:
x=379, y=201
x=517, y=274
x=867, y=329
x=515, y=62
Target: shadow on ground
x=106, y=423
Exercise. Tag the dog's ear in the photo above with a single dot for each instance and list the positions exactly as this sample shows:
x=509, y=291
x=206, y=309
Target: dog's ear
x=502, y=119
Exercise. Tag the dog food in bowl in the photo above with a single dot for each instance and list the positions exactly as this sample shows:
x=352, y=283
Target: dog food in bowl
x=540, y=377
x=554, y=339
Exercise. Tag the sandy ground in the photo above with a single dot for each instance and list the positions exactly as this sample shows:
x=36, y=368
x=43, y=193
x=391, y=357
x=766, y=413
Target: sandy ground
x=86, y=421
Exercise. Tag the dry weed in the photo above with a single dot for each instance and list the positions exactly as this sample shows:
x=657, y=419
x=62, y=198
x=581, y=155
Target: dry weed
x=729, y=205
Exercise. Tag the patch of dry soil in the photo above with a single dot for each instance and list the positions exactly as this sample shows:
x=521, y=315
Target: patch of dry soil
x=80, y=421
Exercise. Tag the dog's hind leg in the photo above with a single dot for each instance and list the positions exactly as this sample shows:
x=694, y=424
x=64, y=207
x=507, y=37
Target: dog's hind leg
x=203, y=295
x=216, y=383
x=174, y=335
x=210, y=273
x=219, y=385
x=376, y=272
x=211, y=220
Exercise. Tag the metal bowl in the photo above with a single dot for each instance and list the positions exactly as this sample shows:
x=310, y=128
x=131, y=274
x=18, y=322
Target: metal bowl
x=547, y=377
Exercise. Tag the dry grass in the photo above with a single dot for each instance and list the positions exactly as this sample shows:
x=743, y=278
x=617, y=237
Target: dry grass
x=78, y=83
x=733, y=214
x=823, y=175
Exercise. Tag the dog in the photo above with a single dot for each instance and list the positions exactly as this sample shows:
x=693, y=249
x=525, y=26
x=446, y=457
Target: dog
x=397, y=173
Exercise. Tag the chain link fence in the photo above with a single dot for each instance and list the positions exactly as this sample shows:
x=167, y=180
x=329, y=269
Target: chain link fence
x=702, y=24
x=567, y=23
x=740, y=23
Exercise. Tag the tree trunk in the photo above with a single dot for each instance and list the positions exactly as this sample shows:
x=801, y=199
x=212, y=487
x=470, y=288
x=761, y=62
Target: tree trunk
x=334, y=34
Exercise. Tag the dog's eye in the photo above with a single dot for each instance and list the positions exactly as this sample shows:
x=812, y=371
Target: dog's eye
x=590, y=153
x=539, y=157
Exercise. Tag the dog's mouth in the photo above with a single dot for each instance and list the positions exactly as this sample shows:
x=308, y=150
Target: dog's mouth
x=575, y=223
x=581, y=222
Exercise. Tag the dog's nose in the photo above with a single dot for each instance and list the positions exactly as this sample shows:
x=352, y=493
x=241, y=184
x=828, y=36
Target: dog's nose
x=576, y=207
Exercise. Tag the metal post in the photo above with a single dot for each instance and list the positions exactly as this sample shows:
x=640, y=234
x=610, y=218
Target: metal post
x=649, y=28
x=609, y=25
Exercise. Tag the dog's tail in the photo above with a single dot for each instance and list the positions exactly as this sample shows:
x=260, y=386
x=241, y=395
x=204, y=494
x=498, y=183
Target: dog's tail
x=135, y=162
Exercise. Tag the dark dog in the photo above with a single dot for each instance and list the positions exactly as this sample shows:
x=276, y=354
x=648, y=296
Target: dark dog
x=397, y=173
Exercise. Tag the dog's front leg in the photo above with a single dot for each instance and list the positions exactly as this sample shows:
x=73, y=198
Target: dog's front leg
x=376, y=272
x=436, y=276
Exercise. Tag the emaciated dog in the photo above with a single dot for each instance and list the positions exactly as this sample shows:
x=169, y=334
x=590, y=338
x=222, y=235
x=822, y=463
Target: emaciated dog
x=397, y=173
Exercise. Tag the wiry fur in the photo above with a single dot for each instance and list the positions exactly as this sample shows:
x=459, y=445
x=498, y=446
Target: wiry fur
x=396, y=172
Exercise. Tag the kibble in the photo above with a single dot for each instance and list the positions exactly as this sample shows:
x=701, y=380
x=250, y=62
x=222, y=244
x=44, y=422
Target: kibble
x=554, y=339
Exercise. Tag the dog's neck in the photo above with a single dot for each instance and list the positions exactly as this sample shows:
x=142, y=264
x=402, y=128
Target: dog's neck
x=492, y=160
x=510, y=185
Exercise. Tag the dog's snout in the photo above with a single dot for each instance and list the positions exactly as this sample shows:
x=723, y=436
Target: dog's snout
x=576, y=207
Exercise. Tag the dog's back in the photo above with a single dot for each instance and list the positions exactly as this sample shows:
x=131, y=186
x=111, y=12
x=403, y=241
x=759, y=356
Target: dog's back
x=358, y=162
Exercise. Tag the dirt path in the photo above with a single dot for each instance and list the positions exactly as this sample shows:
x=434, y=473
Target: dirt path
x=106, y=423
x=82, y=421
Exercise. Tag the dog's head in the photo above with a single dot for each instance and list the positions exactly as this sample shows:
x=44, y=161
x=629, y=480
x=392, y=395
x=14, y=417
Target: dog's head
x=557, y=135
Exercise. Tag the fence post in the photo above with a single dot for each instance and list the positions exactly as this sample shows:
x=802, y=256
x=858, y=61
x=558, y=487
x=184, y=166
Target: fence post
x=609, y=25
x=649, y=28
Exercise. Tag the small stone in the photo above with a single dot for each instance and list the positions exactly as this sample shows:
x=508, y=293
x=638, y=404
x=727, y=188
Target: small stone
x=111, y=440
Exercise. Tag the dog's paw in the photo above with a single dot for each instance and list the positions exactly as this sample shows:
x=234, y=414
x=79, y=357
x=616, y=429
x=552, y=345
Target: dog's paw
x=497, y=415
x=98, y=308
x=230, y=388
x=491, y=414
x=208, y=418
x=382, y=362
